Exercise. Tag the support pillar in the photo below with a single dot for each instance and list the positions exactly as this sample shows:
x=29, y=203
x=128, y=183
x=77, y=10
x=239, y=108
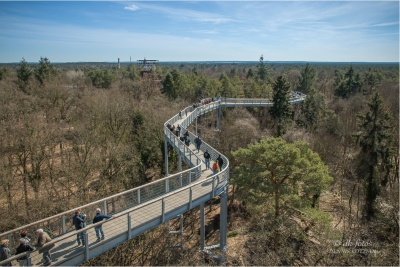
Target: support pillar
x=166, y=155
x=223, y=225
x=219, y=118
x=202, y=227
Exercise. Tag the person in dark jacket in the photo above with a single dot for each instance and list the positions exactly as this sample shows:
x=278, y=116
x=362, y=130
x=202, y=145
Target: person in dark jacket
x=198, y=143
x=98, y=218
x=207, y=159
x=5, y=252
x=220, y=162
x=23, y=247
x=79, y=224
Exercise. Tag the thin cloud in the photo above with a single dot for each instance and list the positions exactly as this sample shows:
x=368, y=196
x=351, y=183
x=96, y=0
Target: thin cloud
x=206, y=31
x=385, y=24
x=131, y=7
x=188, y=14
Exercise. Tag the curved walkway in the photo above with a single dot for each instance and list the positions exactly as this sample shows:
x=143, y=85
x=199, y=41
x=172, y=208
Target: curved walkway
x=142, y=208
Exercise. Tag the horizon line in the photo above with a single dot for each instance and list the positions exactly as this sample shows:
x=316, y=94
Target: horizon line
x=214, y=61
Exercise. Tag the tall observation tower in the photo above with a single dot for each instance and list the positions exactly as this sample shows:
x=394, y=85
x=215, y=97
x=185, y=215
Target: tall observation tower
x=148, y=65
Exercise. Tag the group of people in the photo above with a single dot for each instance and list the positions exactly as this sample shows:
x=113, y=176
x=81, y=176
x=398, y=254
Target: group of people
x=196, y=105
x=180, y=113
x=208, y=100
x=79, y=221
x=217, y=165
x=185, y=138
x=25, y=246
x=177, y=131
x=174, y=130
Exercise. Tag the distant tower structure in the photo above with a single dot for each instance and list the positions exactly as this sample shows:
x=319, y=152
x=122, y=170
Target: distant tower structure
x=148, y=65
x=130, y=60
x=119, y=64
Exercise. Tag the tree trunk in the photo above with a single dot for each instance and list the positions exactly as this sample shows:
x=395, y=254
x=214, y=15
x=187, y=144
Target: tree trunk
x=276, y=233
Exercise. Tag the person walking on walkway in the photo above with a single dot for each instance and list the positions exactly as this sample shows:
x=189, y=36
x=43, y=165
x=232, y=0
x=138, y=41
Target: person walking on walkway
x=79, y=224
x=187, y=141
x=23, y=247
x=198, y=143
x=220, y=161
x=180, y=114
x=207, y=159
x=215, y=167
x=5, y=252
x=44, y=238
x=98, y=218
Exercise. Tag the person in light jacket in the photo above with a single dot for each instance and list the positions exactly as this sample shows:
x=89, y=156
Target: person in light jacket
x=44, y=238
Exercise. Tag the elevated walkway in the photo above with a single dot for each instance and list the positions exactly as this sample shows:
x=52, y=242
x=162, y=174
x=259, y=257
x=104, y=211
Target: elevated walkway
x=142, y=208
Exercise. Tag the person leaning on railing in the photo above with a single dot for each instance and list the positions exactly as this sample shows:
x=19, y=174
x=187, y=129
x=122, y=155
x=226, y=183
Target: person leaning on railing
x=44, y=238
x=23, y=247
x=98, y=218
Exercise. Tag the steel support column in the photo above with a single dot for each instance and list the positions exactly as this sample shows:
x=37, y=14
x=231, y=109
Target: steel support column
x=223, y=226
x=202, y=227
x=219, y=113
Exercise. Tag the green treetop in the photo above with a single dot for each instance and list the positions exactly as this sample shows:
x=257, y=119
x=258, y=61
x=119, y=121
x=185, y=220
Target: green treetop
x=307, y=79
x=375, y=140
x=281, y=110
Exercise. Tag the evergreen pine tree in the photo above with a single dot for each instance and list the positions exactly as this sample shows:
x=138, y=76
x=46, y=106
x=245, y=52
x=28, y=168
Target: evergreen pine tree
x=45, y=70
x=23, y=74
x=281, y=110
x=307, y=79
x=375, y=141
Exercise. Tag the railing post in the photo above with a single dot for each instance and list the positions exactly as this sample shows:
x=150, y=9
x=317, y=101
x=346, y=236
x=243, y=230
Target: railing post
x=166, y=185
x=166, y=154
x=86, y=245
x=138, y=196
x=28, y=258
x=64, y=230
x=10, y=241
x=196, y=123
x=190, y=198
x=129, y=227
x=190, y=177
x=180, y=169
x=213, y=187
x=105, y=207
x=162, y=211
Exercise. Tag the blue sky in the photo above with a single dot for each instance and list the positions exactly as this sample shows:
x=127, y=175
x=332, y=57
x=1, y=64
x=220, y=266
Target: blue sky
x=72, y=31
